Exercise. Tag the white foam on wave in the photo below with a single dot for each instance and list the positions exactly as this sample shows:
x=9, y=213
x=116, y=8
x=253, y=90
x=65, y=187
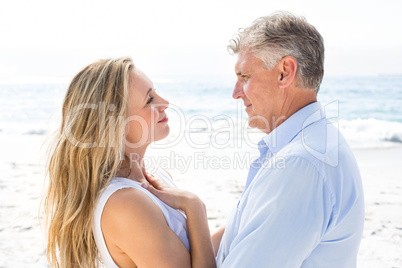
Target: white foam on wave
x=360, y=133
x=371, y=133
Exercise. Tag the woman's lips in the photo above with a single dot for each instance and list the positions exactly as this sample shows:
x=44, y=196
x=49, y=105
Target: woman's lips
x=164, y=119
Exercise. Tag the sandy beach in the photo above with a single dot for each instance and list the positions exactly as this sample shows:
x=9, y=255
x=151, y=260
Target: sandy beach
x=381, y=172
x=22, y=242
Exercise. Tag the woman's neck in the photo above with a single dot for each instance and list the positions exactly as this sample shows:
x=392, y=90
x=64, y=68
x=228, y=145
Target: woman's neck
x=137, y=174
x=132, y=166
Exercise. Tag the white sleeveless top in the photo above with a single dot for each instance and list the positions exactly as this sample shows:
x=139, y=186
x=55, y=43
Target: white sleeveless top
x=174, y=218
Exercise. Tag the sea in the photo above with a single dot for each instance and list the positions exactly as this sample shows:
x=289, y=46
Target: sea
x=367, y=110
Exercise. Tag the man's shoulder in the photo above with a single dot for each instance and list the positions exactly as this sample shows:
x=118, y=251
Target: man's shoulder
x=320, y=144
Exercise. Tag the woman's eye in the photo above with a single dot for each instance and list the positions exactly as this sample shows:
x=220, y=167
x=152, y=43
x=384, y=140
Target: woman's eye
x=150, y=100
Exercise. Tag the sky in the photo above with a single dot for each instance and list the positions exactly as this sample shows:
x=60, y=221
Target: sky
x=52, y=40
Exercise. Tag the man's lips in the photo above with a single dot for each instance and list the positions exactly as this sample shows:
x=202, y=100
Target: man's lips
x=164, y=119
x=247, y=105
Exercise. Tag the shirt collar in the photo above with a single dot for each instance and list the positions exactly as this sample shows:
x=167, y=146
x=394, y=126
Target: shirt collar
x=262, y=147
x=292, y=126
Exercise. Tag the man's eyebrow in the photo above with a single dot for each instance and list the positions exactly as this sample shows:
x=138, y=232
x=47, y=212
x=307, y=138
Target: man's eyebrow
x=146, y=95
x=240, y=73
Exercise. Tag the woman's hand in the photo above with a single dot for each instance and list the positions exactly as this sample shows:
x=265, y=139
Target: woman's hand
x=201, y=248
x=174, y=197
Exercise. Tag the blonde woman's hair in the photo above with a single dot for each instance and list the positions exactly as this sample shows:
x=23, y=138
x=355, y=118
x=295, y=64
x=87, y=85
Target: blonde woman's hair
x=86, y=155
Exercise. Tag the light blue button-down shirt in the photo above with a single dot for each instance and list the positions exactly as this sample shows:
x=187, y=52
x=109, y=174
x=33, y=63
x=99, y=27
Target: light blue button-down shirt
x=303, y=204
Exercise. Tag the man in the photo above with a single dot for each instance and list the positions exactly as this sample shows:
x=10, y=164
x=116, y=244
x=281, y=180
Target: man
x=303, y=203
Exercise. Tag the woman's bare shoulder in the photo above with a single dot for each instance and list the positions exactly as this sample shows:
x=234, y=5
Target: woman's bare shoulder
x=128, y=204
x=134, y=224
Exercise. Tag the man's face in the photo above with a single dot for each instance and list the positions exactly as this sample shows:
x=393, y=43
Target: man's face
x=259, y=90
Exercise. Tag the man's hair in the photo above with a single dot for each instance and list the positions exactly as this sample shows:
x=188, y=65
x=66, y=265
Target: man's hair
x=271, y=38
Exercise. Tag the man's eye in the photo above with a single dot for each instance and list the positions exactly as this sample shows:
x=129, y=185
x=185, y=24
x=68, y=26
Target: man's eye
x=150, y=100
x=245, y=77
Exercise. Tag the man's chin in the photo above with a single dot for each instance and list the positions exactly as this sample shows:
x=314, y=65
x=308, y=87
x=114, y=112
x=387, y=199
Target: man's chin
x=252, y=124
x=260, y=124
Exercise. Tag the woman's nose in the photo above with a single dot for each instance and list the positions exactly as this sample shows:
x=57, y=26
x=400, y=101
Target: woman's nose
x=163, y=104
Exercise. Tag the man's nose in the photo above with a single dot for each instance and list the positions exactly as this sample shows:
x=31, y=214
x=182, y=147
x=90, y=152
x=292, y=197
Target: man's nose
x=238, y=91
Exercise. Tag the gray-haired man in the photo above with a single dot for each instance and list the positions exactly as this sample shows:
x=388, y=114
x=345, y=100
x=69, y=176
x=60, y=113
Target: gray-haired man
x=309, y=211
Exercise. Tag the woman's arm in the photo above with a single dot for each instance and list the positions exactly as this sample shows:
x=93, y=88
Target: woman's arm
x=216, y=239
x=202, y=252
x=136, y=233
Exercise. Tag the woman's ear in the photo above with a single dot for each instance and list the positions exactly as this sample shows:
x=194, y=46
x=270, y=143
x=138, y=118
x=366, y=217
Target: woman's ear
x=288, y=69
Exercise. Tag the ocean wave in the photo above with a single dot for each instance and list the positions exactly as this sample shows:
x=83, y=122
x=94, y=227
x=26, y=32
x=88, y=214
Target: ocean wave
x=36, y=132
x=371, y=133
x=25, y=128
x=360, y=133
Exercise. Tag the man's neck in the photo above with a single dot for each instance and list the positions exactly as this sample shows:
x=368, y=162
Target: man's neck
x=298, y=99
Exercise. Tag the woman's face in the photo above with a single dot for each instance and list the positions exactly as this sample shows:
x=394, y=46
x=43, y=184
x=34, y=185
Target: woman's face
x=147, y=120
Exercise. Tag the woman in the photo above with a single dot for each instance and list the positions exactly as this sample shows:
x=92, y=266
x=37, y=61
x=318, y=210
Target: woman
x=96, y=203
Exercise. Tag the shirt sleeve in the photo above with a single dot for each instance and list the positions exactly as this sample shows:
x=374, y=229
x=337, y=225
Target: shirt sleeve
x=282, y=218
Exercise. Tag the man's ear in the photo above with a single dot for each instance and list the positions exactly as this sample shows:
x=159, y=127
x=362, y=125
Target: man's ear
x=288, y=69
